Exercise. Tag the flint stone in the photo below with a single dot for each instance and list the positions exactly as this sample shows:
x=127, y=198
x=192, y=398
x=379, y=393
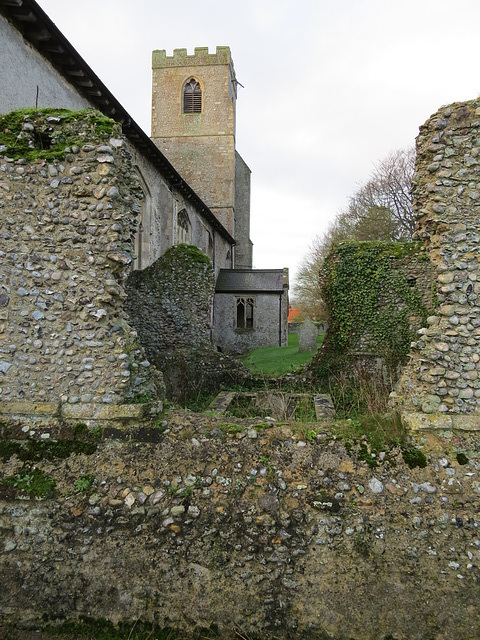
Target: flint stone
x=375, y=485
x=268, y=503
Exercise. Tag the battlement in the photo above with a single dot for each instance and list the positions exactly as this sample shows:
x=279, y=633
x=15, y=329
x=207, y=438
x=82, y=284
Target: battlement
x=180, y=58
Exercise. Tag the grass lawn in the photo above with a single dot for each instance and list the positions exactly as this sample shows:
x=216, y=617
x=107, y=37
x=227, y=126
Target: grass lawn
x=276, y=361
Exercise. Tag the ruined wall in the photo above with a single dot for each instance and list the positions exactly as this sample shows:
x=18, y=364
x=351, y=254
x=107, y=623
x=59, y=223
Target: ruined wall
x=171, y=301
x=68, y=204
x=306, y=539
x=377, y=295
x=441, y=379
x=170, y=305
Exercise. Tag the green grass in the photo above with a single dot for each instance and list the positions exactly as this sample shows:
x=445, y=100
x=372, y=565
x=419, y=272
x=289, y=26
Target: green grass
x=276, y=361
x=383, y=430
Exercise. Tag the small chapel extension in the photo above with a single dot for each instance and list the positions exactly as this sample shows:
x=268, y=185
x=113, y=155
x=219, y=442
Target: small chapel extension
x=251, y=309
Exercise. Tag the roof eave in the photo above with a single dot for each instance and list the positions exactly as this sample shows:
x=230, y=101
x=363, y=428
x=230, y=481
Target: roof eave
x=39, y=30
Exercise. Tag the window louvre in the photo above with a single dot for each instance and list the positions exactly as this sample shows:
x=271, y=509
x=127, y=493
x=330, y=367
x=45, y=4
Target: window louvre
x=192, y=97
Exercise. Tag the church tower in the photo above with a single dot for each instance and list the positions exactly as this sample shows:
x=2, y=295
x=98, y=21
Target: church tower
x=193, y=124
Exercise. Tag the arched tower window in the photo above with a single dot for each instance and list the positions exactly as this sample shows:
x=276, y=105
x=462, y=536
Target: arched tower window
x=192, y=97
x=183, y=227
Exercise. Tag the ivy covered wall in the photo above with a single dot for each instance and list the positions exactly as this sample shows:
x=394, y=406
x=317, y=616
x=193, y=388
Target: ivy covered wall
x=378, y=295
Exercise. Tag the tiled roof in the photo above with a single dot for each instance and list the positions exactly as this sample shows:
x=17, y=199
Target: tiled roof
x=250, y=280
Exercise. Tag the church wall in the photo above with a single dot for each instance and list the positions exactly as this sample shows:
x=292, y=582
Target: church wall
x=207, y=164
x=160, y=209
x=244, y=246
x=269, y=325
x=23, y=69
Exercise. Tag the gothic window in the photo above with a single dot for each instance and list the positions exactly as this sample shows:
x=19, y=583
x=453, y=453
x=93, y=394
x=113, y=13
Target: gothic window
x=209, y=247
x=245, y=313
x=142, y=239
x=183, y=227
x=192, y=97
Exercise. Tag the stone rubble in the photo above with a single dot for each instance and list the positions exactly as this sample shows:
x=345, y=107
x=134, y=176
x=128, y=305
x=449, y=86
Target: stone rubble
x=209, y=513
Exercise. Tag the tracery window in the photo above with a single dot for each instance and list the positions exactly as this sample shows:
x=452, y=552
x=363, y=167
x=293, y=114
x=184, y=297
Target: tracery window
x=142, y=241
x=209, y=247
x=183, y=227
x=245, y=308
x=192, y=97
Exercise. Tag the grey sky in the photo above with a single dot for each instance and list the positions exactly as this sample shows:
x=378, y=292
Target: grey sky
x=331, y=87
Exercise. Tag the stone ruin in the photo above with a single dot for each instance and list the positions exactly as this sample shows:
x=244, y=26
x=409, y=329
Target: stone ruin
x=67, y=217
x=68, y=210
x=83, y=335
x=440, y=386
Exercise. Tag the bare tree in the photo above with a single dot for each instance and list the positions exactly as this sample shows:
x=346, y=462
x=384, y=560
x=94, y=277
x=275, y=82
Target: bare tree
x=388, y=190
x=307, y=295
x=381, y=209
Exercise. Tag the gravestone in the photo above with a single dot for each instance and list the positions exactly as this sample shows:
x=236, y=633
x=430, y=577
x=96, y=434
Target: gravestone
x=307, y=336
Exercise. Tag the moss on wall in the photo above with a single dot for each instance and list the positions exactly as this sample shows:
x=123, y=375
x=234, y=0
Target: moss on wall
x=29, y=134
x=170, y=305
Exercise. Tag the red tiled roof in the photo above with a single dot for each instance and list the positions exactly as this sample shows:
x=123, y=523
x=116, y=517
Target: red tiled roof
x=293, y=313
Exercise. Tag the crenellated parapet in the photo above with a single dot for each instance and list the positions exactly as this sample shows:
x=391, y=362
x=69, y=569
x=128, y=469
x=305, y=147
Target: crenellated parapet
x=201, y=57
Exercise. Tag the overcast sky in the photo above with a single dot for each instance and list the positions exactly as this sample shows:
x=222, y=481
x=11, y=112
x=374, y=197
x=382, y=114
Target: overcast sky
x=331, y=87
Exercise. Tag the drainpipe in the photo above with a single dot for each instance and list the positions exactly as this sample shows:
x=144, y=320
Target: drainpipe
x=214, y=240
x=280, y=319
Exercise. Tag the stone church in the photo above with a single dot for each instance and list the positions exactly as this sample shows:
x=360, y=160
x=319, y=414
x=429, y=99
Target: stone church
x=193, y=124
x=196, y=186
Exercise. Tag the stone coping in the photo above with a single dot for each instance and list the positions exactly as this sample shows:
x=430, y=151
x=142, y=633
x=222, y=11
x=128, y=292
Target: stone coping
x=80, y=411
x=417, y=421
